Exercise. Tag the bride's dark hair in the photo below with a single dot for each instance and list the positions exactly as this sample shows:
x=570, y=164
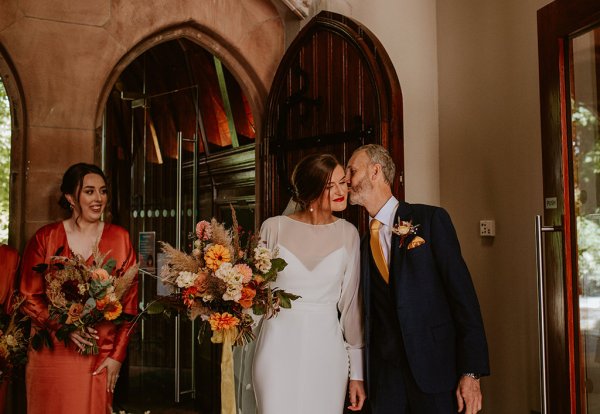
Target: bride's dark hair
x=73, y=181
x=310, y=176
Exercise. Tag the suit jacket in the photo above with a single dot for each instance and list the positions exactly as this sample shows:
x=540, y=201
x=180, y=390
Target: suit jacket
x=435, y=303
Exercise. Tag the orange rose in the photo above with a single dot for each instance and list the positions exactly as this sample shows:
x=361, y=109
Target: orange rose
x=100, y=274
x=221, y=322
x=74, y=312
x=248, y=295
x=113, y=310
x=101, y=303
x=215, y=256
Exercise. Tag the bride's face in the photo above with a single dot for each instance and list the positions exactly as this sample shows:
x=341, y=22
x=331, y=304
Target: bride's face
x=335, y=195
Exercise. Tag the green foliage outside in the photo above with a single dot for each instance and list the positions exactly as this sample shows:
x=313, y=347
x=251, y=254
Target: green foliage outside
x=5, y=138
x=586, y=148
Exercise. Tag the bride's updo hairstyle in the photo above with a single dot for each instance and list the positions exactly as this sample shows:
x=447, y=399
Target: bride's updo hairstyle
x=310, y=177
x=73, y=181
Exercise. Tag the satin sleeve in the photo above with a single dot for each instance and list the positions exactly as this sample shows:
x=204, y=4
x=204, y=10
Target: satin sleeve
x=32, y=284
x=9, y=260
x=129, y=302
x=350, y=305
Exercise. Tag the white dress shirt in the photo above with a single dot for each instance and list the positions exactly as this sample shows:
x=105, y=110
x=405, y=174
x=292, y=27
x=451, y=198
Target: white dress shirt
x=386, y=216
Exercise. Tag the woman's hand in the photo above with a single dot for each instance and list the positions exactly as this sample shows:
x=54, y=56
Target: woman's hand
x=112, y=372
x=83, y=338
x=356, y=391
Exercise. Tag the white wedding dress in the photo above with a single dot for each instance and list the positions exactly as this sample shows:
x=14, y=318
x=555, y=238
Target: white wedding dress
x=305, y=355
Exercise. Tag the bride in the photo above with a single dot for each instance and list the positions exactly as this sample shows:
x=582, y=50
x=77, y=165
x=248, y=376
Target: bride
x=306, y=355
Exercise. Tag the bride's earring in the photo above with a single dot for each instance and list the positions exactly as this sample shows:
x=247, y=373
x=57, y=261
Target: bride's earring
x=311, y=209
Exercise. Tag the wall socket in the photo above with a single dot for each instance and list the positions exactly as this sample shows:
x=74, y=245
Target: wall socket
x=487, y=228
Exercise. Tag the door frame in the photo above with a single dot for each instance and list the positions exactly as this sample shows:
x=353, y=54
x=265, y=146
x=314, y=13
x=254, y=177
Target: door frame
x=558, y=22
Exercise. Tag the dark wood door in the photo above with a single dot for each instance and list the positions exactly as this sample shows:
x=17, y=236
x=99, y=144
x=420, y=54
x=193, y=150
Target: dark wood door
x=569, y=59
x=334, y=90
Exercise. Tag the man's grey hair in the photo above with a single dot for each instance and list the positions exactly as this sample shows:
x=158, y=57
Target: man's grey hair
x=379, y=155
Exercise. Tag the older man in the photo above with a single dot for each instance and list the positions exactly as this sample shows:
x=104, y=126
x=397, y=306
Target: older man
x=425, y=342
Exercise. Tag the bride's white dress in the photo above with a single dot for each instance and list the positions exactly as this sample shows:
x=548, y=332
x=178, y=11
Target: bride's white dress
x=305, y=355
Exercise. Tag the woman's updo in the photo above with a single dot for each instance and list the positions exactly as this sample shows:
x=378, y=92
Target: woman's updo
x=73, y=181
x=310, y=177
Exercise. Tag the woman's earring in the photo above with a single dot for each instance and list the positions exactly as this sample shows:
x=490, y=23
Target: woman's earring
x=311, y=209
x=71, y=206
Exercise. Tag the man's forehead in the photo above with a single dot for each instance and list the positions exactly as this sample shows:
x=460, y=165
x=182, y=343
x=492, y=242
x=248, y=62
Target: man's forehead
x=358, y=159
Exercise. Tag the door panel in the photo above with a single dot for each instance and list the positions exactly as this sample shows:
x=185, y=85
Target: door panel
x=334, y=90
x=568, y=343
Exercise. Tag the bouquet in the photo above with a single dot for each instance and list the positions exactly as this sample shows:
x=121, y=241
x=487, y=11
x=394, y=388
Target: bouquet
x=13, y=342
x=222, y=281
x=81, y=296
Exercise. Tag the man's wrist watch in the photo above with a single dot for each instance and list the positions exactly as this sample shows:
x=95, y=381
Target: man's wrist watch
x=472, y=375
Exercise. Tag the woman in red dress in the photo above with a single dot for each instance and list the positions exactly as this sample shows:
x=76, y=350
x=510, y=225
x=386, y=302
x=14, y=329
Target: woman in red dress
x=9, y=259
x=60, y=379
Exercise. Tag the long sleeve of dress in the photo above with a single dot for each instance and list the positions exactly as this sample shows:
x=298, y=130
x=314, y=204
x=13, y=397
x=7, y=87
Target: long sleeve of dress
x=32, y=284
x=350, y=305
x=9, y=258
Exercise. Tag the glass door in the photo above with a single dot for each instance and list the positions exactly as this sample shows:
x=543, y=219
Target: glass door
x=585, y=107
x=163, y=350
x=569, y=253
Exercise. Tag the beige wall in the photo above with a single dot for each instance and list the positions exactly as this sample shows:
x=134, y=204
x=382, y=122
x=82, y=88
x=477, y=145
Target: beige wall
x=490, y=168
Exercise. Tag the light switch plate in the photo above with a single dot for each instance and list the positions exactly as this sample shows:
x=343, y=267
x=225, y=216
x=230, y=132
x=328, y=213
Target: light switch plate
x=487, y=228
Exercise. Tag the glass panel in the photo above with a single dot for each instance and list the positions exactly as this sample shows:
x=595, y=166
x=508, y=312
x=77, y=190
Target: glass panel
x=586, y=173
x=5, y=141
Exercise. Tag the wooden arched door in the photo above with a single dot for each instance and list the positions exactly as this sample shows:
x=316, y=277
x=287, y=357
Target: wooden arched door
x=334, y=90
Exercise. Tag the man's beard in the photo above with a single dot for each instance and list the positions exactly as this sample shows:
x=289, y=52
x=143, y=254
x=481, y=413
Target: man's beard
x=357, y=193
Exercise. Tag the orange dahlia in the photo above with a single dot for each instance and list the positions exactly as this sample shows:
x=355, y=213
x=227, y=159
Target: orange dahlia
x=113, y=310
x=222, y=321
x=215, y=256
x=189, y=295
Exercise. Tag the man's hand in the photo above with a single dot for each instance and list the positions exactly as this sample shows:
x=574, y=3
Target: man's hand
x=468, y=395
x=356, y=390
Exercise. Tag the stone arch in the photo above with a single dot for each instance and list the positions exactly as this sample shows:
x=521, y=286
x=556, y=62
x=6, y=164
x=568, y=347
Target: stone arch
x=255, y=88
x=17, y=165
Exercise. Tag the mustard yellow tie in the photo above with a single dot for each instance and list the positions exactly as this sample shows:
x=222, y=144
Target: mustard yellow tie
x=377, y=251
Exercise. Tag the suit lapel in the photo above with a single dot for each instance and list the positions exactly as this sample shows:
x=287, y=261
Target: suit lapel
x=403, y=213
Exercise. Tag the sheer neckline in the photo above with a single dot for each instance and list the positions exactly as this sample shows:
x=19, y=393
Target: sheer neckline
x=313, y=225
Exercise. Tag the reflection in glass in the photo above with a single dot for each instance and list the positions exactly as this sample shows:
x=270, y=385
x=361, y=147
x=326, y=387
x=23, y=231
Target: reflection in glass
x=586, y=173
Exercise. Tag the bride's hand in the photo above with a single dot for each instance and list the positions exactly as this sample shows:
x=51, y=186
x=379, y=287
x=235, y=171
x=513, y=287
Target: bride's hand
x=356, y=391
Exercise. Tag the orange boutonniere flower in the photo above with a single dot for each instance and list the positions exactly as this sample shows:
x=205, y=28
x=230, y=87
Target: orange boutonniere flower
x=405, y=229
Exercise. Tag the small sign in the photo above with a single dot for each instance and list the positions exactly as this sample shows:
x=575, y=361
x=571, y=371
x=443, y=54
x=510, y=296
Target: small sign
x=551, y=203
x=147, y=251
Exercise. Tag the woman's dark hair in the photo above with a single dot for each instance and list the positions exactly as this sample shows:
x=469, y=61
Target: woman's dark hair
x=73, y=181
x=310, y=177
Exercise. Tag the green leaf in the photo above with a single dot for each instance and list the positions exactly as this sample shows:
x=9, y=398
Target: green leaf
x=278, y=264
x=110, y=265
x=155, y=308
x=258, y=309
x=285, y=299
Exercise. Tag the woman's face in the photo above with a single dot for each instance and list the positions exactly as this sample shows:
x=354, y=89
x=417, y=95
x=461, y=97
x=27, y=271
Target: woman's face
x=92, y=198
x=335, y=195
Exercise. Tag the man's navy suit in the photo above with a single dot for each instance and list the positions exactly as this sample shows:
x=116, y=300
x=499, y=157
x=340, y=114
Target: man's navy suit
x=425, y=326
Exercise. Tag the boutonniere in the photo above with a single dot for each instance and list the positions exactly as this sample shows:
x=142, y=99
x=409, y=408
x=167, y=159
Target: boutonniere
x=405, y=229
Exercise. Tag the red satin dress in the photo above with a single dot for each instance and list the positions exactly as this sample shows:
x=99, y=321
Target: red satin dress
x=60, y=380
x=9, y=263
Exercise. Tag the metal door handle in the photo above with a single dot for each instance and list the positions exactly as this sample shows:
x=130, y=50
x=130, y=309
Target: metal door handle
x=539, y=256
